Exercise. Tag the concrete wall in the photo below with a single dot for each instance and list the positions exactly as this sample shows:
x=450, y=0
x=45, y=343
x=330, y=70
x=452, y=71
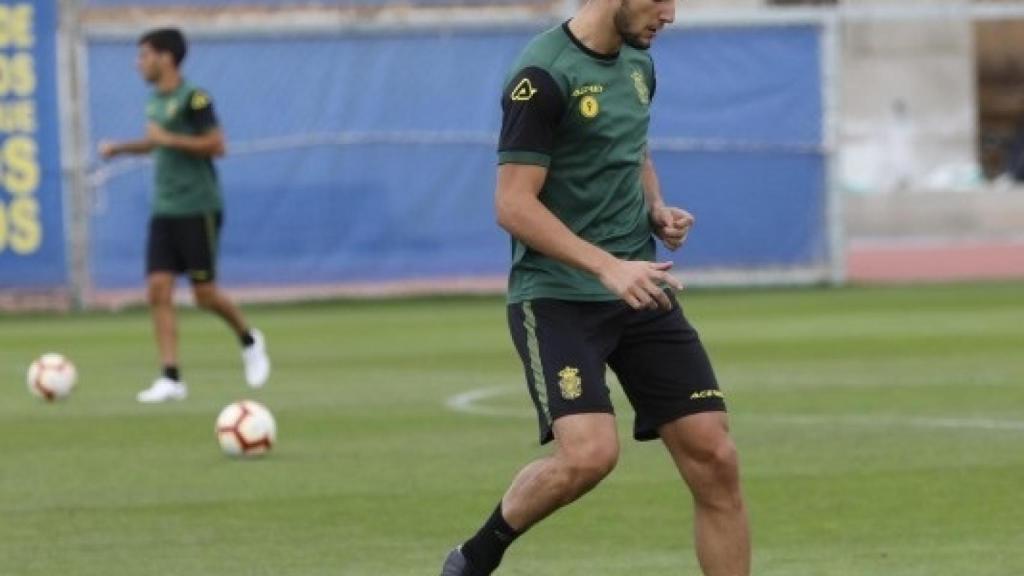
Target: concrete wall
x=909, y=105
x=978, y=214
x=909, y=116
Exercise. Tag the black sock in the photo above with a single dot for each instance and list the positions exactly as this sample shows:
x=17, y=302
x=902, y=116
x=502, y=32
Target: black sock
x=486, y=548
x=246, y=339
x=171, y=372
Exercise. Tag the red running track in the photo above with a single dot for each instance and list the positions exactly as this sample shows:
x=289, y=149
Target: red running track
x=934, y=260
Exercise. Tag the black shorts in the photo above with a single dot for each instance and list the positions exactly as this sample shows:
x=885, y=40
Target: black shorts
x=184, y=245
x=656, y=355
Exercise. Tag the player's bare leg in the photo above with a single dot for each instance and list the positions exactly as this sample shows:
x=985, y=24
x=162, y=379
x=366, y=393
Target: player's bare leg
x=160, y=291
x=254, y=354
x=586, y=451
x=209, y=297
x=706, y=458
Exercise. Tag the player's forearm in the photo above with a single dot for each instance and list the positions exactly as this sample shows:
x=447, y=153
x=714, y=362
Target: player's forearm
x=133, y=147
x=208, y=146
x=652, y=186
x=527, y=219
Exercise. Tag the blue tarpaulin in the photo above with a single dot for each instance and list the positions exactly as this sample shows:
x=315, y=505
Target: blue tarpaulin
x=371, y=157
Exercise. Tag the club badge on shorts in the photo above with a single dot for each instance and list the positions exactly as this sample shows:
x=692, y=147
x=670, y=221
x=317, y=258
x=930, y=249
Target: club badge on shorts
x=570, y=383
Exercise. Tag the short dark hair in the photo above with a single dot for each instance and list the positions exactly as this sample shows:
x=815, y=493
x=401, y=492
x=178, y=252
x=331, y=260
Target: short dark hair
x=167, y=40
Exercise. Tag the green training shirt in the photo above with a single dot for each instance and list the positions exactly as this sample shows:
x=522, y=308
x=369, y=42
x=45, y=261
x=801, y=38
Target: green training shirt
x=185, y=184
x=584, y=116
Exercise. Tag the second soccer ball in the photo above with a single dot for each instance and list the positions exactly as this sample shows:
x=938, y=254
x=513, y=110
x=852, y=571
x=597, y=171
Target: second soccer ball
x=246, y=428
x=51, y=377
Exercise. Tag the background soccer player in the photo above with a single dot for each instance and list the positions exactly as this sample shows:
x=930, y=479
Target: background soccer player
x=578, y=193
x=184, y=136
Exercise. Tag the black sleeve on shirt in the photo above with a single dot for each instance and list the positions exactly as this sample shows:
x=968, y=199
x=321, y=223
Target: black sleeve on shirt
x=200, y=112
x=654, y=79
x=654, y=82
x=533, y=106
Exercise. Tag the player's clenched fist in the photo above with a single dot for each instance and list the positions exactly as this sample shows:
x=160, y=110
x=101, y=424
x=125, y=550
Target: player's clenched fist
x=671, y=225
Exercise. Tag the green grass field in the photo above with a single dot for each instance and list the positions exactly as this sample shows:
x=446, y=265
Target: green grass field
x=881, y=432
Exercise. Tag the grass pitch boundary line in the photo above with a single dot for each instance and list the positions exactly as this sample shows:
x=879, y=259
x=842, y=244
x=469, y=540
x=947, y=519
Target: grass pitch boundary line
x=471, y=402
x=896, y=420
x=474, y=402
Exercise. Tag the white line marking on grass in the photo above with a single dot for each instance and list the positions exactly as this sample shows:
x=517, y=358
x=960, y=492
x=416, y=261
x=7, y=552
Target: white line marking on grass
x=470, y=403
x=895, y=420
x=474, y=402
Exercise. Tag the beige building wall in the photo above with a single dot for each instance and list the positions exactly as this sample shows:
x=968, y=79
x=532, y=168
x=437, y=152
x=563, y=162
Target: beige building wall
x=909, y=105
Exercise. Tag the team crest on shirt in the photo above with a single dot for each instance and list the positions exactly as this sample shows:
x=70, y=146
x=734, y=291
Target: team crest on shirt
x=172, y=107
x=200, y=100
x=640, y=82
x=570, y=383
x=589, y=107
x=523, y=91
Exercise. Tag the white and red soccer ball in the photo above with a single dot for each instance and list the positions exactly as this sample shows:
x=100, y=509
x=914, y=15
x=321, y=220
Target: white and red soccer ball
x=51, y=377
x=246, y=428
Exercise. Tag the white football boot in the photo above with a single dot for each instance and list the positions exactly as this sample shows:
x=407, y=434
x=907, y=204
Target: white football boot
x=256, y=361
x=162, y=390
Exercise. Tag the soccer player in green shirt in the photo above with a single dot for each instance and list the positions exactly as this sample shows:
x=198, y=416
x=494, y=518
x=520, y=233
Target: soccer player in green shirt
x=184, y=136
x=579, y=195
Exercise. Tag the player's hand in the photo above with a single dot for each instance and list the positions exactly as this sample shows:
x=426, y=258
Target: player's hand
x=640, y=284
x=107, y=149
x=157, y=135
x=672, y=225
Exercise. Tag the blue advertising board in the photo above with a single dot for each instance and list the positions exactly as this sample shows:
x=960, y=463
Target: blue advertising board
x=31, y=215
